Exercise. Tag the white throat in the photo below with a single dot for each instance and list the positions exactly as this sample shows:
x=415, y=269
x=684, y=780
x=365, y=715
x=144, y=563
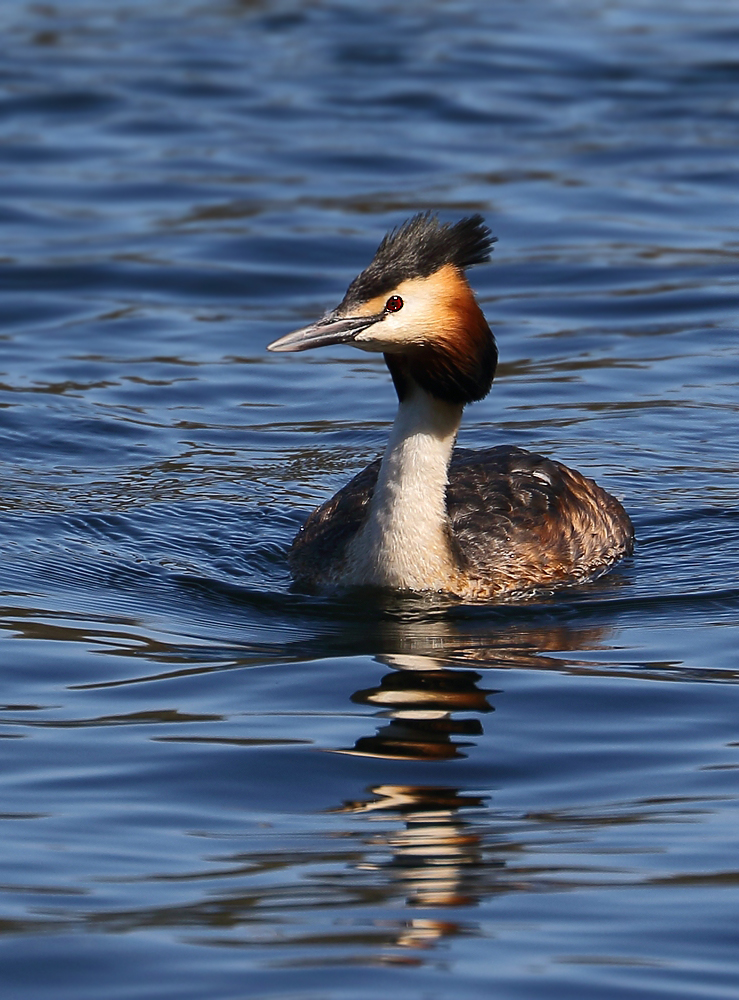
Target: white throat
x=404, y=543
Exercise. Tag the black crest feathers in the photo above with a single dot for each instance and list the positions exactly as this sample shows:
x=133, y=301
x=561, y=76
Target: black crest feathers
x=418, y=248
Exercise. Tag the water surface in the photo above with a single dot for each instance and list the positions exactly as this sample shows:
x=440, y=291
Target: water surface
x=213, y=786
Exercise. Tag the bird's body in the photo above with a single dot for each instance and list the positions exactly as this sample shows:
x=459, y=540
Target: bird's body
x=482, y=525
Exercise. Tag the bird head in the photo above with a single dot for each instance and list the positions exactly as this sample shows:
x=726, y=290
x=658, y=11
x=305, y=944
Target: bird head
x=414, y=305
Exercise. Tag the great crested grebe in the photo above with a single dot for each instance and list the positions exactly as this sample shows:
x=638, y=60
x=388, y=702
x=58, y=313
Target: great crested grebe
x=496, y=523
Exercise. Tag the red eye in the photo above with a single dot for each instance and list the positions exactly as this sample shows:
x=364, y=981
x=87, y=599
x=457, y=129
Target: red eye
x=393, y=304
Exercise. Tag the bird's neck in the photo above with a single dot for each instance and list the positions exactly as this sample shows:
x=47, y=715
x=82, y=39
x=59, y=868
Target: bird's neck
x=405, y=541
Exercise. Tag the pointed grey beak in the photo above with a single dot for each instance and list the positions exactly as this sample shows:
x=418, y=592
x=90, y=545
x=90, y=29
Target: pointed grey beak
x=329, y=330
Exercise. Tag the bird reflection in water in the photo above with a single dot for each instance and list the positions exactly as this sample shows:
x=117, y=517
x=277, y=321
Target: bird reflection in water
x=433, y=855
x=441, y=852
x=419, y=698
x=436, y=857
x=439, y=847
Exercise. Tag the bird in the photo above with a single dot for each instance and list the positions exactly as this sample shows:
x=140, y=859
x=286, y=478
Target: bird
x=496, y=524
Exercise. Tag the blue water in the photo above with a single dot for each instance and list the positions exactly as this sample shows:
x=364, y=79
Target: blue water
x=213, y=787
